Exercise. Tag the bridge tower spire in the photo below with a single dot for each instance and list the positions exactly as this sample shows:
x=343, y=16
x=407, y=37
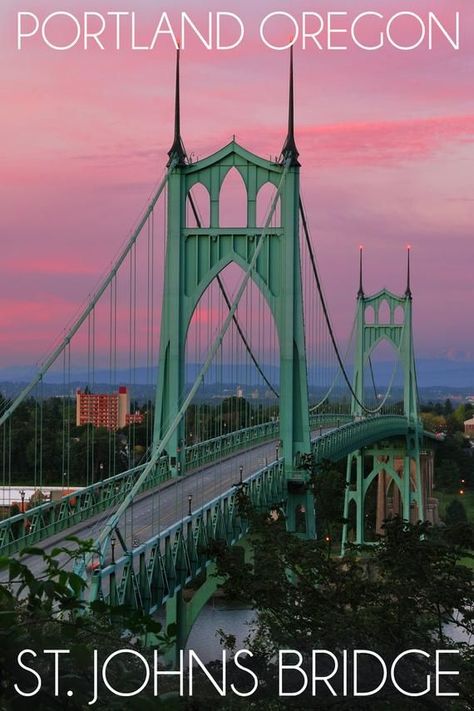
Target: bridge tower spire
x=289, y=150
x=177, y=151
x=397, y=465
x=408, y=289
x=360, y=293
x=195, y=256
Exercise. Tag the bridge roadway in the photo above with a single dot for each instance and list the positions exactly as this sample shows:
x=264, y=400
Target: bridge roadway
x=153, y=511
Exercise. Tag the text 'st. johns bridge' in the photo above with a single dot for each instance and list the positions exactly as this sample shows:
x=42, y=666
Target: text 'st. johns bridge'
x=241, y=303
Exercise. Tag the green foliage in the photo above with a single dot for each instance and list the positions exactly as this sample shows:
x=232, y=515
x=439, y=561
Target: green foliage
x=447, y=475
x=445, y=418
x=453, y=462
x=401, y=594
x=61, y=446
x=448, y=407
x=45, y=442
x=462, y=413
x=433, y=422
x=328, y=486
x=43, y=610
x=455, y=513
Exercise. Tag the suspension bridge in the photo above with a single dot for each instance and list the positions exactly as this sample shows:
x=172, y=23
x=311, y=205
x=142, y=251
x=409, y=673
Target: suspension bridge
x=251, y=389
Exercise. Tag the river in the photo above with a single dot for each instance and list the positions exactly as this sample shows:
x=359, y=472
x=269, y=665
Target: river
x=219, y=614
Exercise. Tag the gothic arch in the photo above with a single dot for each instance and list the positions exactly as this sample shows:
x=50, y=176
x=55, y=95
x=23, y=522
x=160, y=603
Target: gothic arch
x=265, y=197
x=233, y=199
x=201, y=201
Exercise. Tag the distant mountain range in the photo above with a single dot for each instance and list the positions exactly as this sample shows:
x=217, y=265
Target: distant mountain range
x=437, y=376
x=438, y=372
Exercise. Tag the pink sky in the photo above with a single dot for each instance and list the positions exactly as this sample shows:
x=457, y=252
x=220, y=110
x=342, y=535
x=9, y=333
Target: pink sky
x=386, y=141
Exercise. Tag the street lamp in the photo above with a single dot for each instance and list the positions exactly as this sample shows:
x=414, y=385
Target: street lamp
x=22, y=494
x=190, y=501
x=240, y=483
x=113, y=541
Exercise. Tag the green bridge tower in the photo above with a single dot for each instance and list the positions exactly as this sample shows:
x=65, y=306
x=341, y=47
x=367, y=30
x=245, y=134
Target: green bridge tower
x=394, y=463
x=194, y=258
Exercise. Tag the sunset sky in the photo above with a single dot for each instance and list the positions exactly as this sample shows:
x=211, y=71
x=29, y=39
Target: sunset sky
x=386, y=143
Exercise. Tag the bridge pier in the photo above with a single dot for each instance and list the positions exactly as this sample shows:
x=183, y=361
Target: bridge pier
x=353, y=460
x=183, y=609
x=196, y=256
x=395, y=465
x=300, y=511
x=383, y=481
x=185, y=606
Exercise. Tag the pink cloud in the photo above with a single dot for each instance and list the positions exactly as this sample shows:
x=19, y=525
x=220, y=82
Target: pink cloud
x=23, y=318
x=47, y=267
x=369, y=143
x=386, y=142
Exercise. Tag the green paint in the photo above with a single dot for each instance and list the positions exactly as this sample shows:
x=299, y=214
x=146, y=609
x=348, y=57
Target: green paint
x=370, y=332
x=195, y=256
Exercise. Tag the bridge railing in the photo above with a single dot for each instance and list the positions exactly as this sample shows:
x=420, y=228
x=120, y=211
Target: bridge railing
x=36, y=524
x=149, y=574
x=327, y=419
x=41, y=522
x=353, y=435
x=203, y=453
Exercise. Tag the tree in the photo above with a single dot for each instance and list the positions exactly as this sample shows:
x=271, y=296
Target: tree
x=433, y=422
x=392, y=597
x=468, y=410
x=453, y=462
x=461, y=413
x=328, y=486
x=95, y=454
x=455, y=513
x=236, y=413
x=447, y=475
x=45, y=611
x=448, y=407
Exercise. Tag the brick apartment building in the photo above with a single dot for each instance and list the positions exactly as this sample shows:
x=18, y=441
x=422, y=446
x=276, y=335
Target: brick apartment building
x=109, y=410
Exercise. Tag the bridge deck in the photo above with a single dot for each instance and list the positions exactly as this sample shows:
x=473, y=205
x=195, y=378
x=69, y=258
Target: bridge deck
x=156, y=510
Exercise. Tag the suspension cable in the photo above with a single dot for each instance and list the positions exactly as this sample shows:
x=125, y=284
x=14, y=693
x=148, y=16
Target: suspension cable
x=228, y=303
x=372, y=377
x=315, y=407
x=327, y=318
x=102, y=539
x=95, y=298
